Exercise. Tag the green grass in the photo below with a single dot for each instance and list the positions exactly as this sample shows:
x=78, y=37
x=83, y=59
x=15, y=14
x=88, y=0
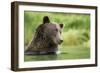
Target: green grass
x=76, y=34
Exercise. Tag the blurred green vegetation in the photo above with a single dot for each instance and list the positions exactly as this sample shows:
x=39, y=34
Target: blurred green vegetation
x=76, y=32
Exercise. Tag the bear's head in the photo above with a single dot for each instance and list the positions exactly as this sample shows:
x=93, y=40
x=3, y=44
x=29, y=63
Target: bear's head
x=51, y=31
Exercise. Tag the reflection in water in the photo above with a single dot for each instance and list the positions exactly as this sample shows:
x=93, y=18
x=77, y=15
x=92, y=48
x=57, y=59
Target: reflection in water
x=41, y=57
x=44, y=57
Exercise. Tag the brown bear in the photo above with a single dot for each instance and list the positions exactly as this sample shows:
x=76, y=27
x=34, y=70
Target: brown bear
x=46, y=39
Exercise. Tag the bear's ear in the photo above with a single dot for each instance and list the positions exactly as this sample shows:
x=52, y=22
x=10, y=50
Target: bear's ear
x=61, y=25
x=46, y=19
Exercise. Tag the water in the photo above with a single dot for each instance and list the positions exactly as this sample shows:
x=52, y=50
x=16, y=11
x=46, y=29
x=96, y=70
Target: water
x=66, y=54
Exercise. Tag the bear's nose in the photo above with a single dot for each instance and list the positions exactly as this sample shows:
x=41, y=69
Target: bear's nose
x=60, y=41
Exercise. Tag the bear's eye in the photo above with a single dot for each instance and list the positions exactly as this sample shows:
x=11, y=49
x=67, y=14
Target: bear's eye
x=56, y=30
